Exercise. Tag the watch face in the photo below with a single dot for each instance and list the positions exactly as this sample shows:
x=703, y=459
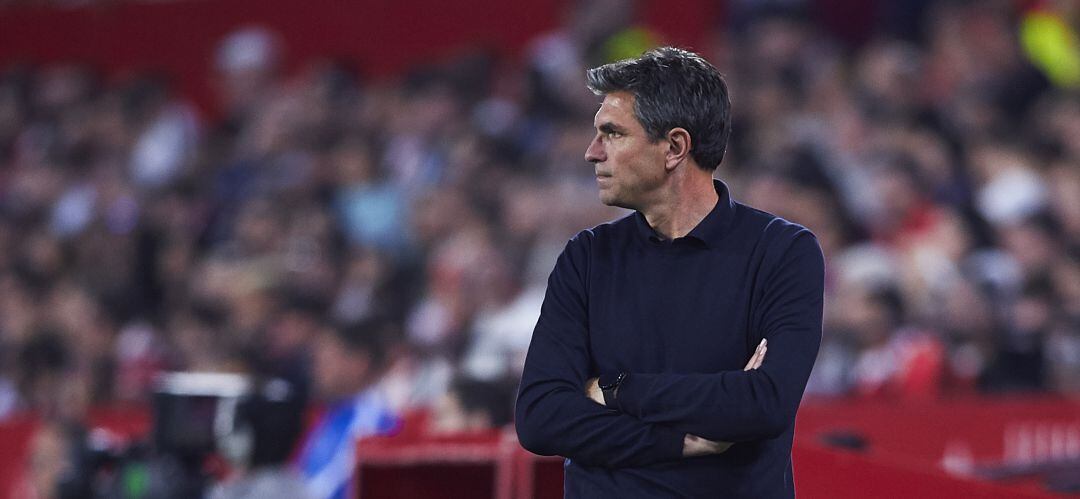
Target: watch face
x=609, y=381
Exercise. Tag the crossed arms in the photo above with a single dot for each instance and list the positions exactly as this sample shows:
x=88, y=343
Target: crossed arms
x=663, y=417
x=693, y=445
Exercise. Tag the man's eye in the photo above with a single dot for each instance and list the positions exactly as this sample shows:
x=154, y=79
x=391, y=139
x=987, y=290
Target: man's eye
x=614, y=134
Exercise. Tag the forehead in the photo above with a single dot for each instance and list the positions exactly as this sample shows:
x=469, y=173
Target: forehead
x=617, y=108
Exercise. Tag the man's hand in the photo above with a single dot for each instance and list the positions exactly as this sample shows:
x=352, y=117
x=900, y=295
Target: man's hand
x=694, y=445
x=758, y=357
x=593, y=391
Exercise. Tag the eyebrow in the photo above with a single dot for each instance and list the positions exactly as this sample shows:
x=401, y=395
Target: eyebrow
x=609, y=127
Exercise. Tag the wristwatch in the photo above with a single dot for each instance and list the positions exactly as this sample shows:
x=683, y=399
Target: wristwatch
x=609, y=384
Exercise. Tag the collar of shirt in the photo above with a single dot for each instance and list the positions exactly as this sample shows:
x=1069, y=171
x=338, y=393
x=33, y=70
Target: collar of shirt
x=709, y=231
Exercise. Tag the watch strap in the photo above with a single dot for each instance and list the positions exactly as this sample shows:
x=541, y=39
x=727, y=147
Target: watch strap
x=609, y=385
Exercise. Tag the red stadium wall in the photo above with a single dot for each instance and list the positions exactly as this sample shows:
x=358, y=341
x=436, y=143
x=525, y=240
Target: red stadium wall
x=905, y=443
x=384, y=37
x=902, y=458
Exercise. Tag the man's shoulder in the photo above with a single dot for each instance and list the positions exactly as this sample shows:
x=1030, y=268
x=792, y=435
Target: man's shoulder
x=784, y=250
x=768, y=226
x=775, y=238
x=611, y=230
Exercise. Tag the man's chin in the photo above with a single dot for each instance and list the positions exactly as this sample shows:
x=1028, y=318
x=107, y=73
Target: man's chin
x=610, y=200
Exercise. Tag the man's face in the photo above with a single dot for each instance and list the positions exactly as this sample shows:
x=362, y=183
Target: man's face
x=337, y=371
x=629, y=166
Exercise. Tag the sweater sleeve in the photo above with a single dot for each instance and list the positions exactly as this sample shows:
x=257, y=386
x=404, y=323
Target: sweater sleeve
x=748, y=405
x=553, y=415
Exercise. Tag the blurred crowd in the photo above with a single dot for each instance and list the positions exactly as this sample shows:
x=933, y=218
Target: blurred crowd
x=937, y=161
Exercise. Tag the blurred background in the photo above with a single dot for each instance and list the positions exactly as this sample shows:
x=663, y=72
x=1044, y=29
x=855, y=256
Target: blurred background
x=352, y=208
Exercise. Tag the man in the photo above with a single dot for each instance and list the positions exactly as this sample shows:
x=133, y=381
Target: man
x=473, y=405
x=638, y=369
x=346, y=364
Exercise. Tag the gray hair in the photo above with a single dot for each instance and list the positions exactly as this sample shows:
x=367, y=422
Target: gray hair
x=673, y=88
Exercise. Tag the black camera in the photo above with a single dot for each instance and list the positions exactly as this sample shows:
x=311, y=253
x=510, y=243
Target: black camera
x=250, y=422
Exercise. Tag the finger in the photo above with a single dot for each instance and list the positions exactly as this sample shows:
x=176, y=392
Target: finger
x=750, y=363
x=761, y=357
x=764, y=350
x=753, y=358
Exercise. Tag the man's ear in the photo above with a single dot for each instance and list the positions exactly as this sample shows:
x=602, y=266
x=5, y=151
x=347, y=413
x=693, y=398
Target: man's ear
x=678, y=148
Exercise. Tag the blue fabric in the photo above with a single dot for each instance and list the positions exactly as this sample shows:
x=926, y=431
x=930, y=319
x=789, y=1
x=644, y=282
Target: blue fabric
x=327, y=460
x=682, y=317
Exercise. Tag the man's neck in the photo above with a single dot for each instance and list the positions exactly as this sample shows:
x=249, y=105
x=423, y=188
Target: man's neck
x=682, y=207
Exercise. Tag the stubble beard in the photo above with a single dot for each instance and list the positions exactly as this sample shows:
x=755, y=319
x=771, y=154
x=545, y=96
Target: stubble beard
x=610, y=198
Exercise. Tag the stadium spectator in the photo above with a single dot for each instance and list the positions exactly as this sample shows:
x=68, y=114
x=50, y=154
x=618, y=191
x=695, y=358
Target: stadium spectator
x=472, y=405
x=346, y=366
x=934, y=160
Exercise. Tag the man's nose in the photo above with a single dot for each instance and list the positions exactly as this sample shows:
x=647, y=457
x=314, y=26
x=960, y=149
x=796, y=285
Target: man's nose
x=595, y=152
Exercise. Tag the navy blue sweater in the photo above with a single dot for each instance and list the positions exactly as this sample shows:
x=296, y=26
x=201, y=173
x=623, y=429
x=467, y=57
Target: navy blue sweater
x=682, y=317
